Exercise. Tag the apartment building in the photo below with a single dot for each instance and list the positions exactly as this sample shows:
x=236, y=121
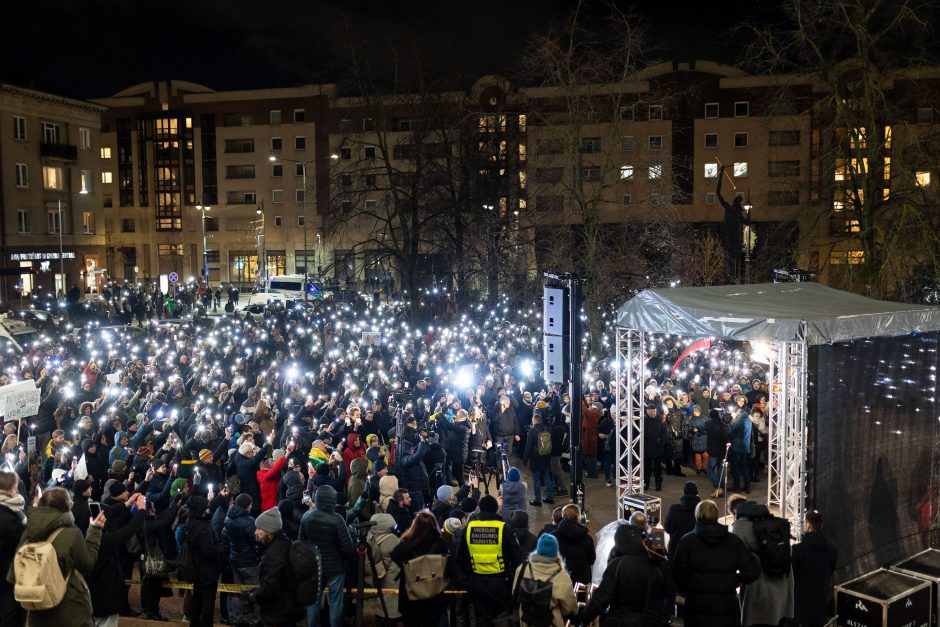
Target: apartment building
x=242, y=171
x=51, y=222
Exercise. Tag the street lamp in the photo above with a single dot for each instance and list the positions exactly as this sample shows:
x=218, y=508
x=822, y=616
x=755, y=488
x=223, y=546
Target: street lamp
x=263, y=252
x=273, y=158
x=61, y=256
x=205, y=252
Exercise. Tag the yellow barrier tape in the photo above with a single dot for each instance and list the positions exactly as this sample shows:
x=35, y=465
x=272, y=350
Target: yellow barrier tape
x=244, y=587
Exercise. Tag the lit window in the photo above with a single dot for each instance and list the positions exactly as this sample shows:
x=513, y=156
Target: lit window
x=655, y=171
x=106, y=177
x=858, y=138
x=887, y=168
x=923, y=178
x=887, y=137
x=105, y=152
x=52, y=178
x=523, y=122
x=523, y=179
x=522, y=152
x=711, y=170
x=86, y=182
x=711, y=109
x=740, y=169
x=626, y=172
x=88, y=223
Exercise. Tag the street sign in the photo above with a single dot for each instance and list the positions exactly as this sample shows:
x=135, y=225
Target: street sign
x=174, y=278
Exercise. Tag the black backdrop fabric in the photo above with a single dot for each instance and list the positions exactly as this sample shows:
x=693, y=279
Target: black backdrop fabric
x=873, y=432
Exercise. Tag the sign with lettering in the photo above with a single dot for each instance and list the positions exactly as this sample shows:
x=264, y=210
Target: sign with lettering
x=19, y=400
x=40, y=256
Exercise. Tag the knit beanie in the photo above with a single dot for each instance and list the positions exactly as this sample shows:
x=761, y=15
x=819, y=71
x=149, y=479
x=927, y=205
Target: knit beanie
x=205, y=456
x=178, y=485
x=278, y=454
x=80, y=486
x=513, y=474
x=469, y=505
x=690, y=489
x=243, y=501
x=547, y=545
x=270, y=520
x=116, y=489
x=246, y=449
x=452, y=526
x=444, y=493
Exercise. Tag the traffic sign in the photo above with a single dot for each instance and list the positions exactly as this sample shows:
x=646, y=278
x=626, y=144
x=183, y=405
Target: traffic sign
x=174, y=278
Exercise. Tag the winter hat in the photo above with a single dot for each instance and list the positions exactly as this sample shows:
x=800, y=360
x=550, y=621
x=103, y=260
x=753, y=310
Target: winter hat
x=246, y=449
x=294, y=493
x=325, y=498
x=120, y=435
x=714, y=414
x=119, y=466
x=58, y=474
x=243, y=501
x=278, y=453
x=269, y=521
x=116, y=489
x=444, y=493
x=690, y=489
x=452, y=526
x=519, y=519
x=238, y=419
x=323, y=436
x=178, y=485
x=469, y=505
x=384, y=523
x=379, y=466
x=80, y=486
x=488, y=504
x=205, y=456
x=547, y=545
x=513, y=474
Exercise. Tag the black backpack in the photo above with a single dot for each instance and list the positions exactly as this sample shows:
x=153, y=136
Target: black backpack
x=306, y=568
x=185, y=569
x=773, y=545
x=535, y=598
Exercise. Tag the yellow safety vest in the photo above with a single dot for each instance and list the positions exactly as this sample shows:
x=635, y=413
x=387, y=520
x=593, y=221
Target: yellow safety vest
x=485, y=543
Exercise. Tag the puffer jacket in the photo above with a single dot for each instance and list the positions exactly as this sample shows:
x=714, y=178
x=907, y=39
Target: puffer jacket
x=328, y=530
x=75, y=553
x=387, y=486
x=709, y=565
x=383, y=541
x=540, y=568
x=698, y=427
x=514, y=495
x=239, y=529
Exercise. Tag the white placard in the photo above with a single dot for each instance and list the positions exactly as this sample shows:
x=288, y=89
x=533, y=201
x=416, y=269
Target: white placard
x=19, y=400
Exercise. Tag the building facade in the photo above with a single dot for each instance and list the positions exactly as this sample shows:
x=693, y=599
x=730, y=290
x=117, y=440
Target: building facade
x=50, y=193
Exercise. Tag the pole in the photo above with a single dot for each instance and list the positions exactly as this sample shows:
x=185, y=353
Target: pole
x=61, y=256
x=575, y=390
x=306, y=256
x=264, y=241
x=205, y=252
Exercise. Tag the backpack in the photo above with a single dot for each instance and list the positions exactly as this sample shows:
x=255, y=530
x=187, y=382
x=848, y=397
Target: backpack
x=535, y=598
x=38, y=581
x=185, y=569
x=424, y=576
x=773, y=545
x=306, y=568
x=545, y=442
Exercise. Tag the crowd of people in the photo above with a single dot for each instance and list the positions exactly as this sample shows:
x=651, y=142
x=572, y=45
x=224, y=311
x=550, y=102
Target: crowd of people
x=263, y=453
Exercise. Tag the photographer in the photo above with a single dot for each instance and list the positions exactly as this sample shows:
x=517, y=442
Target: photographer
x=412, y=474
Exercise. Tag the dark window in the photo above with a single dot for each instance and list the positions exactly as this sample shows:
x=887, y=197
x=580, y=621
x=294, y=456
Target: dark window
x=783, y=168
x=127, y=225
x=778, y=197
x=740, y=140
x=711, y=140
x=784, y=138
x=591, y=173
x=345, y=152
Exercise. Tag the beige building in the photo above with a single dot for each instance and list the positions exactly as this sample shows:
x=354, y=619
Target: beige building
x=50, y=193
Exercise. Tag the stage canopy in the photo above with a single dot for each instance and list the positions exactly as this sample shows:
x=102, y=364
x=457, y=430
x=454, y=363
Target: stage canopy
x=772, y=312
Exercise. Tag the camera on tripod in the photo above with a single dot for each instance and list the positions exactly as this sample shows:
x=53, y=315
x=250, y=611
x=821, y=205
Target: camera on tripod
x=362, y=529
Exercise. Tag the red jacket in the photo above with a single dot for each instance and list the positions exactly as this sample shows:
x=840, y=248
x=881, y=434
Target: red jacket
x=354, y=449
x=590, y=418
x=268, y=480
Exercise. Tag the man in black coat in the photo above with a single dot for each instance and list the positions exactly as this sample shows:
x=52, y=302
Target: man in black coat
x=411, y=472
x=457, y=439
x=539, y=464
x=716, y=433
x=207, y=553
x=106, y=582
x=328, y=530
x=654, y=446
x=709, y=565
x=814, y=561
x=275, y=593
x=680, y=519
x=635, y=584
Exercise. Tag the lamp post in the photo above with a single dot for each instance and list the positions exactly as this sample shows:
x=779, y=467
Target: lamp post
x=747, y=238
x=205, y=252
x=274, y=158
x=61, y=255
x=262, y=252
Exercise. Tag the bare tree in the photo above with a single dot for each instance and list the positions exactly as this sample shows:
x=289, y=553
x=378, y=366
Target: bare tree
x=865, y=69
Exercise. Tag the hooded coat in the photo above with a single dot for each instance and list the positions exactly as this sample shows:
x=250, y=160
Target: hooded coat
x=274, y=595
x=205, y=549
x=387, y=486
x=576, y=546
x=328, y=530
x=814, y=561
x=106, y=582
x=766, y=600
x=75, y=554
x=268, y=480
x=514, y=495
x=680, y=520
x=354, y=450
x=239, y=530
x=382, y=540
x=709, y=565
x=541, y=568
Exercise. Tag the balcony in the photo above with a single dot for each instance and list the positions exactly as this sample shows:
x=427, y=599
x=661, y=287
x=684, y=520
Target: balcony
x=68, y=152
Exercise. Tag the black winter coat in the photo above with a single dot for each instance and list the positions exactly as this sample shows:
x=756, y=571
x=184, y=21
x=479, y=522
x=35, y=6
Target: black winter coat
x=706, y=569
x=205, y=549
x=106, y=581
x=654, y=437
x=81, y=513
x=411, y=472
x=239, y=530
x=576, y=546
x=427, y=608
x=329, y=532
x=11, y=528
x=680, y=520
x=247, y=470
x=624, y=587
x=814, y=560
x=536, y=462
x=275, y=593
x=717, y=435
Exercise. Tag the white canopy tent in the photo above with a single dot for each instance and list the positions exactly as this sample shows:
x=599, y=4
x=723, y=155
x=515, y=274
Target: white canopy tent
x=789, y=316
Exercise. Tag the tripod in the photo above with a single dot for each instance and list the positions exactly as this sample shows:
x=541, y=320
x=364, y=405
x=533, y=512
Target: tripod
x=363, y=551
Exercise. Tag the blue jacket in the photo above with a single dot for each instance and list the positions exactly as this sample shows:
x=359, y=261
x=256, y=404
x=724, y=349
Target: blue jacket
x=699, y=439
x=239, y=529
x=741, y=433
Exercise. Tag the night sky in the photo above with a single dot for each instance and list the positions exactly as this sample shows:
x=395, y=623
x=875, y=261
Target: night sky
x=94, y=48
